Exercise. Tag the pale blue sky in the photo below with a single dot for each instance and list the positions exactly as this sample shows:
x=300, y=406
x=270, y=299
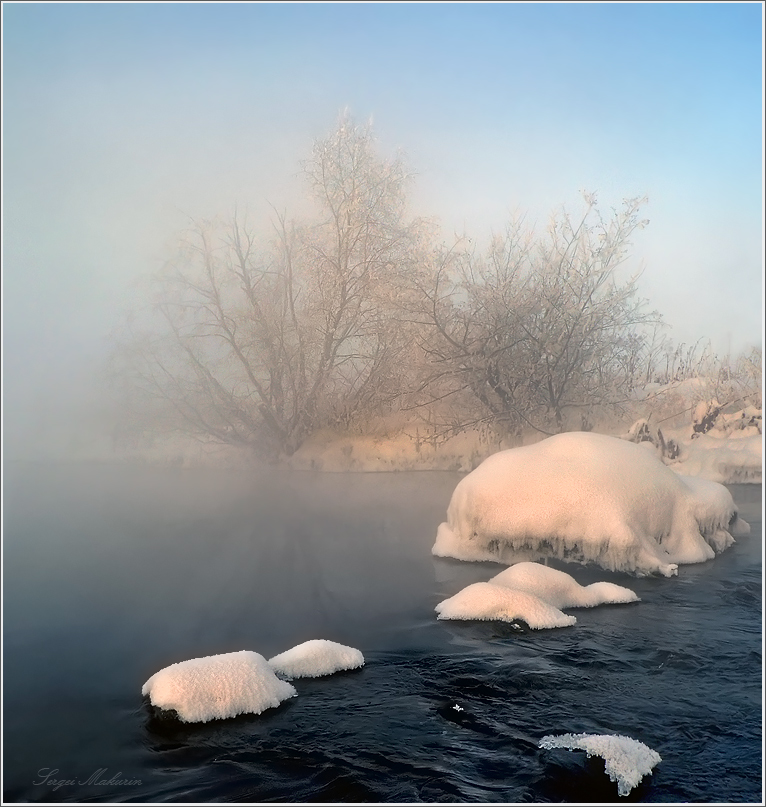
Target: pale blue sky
x=121, y=119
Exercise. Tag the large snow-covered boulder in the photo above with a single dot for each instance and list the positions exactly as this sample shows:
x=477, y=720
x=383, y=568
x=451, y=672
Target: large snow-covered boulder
x=560, y=589
x=316, y=658
x=215, y=687
x=588, y=498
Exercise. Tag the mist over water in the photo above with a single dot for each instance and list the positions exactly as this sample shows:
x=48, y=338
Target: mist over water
x=112, y=573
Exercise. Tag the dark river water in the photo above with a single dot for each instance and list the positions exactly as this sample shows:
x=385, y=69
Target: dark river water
x=112, y=573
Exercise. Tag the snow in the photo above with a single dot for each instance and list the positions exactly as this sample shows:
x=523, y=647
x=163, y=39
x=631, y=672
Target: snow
x=214, y=687
x=487, y=601
x=560, y=589
x=586, y=497
x=725, y=458
x=532, y=593
x=626, y=761
x=315, y=658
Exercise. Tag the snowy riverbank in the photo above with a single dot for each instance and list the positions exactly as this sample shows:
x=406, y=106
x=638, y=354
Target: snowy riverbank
x=725, y=458
x=734, y=457
x=683, y=422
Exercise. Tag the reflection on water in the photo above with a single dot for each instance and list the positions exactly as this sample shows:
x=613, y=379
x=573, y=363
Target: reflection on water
x=113, y=572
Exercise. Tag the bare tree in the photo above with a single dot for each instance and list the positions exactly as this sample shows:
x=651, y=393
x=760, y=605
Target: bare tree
x=588, y=321
x=467, y=309
x=539, y=326
x=262, y=345
x=261, y=342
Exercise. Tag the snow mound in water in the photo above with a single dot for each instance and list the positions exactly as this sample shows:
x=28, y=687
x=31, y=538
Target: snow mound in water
x=215, y=687
x=587, y=498
x=626, y=761
x=560, y=589
x=315, y=658
x=712, y=503
x=487, y=601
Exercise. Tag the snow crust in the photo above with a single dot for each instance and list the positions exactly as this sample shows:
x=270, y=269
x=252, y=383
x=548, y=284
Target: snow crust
x=488, y=601
x=215, y=687
x=726, y=458
x=560, y=589
x=588, y=498
x=315, y=658
x=626, y=761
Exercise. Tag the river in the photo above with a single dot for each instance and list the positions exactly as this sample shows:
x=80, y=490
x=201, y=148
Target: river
x=113, y=572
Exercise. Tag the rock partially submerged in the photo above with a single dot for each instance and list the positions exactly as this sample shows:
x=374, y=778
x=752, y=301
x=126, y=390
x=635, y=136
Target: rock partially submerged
x=626, y=761
x=216, y=687
x=316, y=658
x=560, y=589
x=487, y=601
x=587, y=498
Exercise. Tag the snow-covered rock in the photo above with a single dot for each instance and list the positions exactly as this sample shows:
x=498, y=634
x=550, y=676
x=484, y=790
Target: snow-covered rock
x=487, y=601
x=315, y=658
x=626, y=761
x=214, y=687
x=560, y=589
x=585, y=497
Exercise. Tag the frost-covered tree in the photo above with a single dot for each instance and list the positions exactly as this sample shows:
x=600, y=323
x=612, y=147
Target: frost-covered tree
x=356, y=313
x=263, y=343
x=538, y=327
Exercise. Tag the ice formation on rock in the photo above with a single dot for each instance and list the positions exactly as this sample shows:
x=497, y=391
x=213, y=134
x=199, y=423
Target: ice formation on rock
x=213, y=687
x=560, y=589
x=487, y=601
x=626, y=761
x=588, y=498
x=315, y=658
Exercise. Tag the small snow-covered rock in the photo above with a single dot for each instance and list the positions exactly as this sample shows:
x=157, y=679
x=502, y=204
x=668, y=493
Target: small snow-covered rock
x=560, y=589
x=315, y=658
x=214, y=687
x=487, y=601
x=626, y=761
